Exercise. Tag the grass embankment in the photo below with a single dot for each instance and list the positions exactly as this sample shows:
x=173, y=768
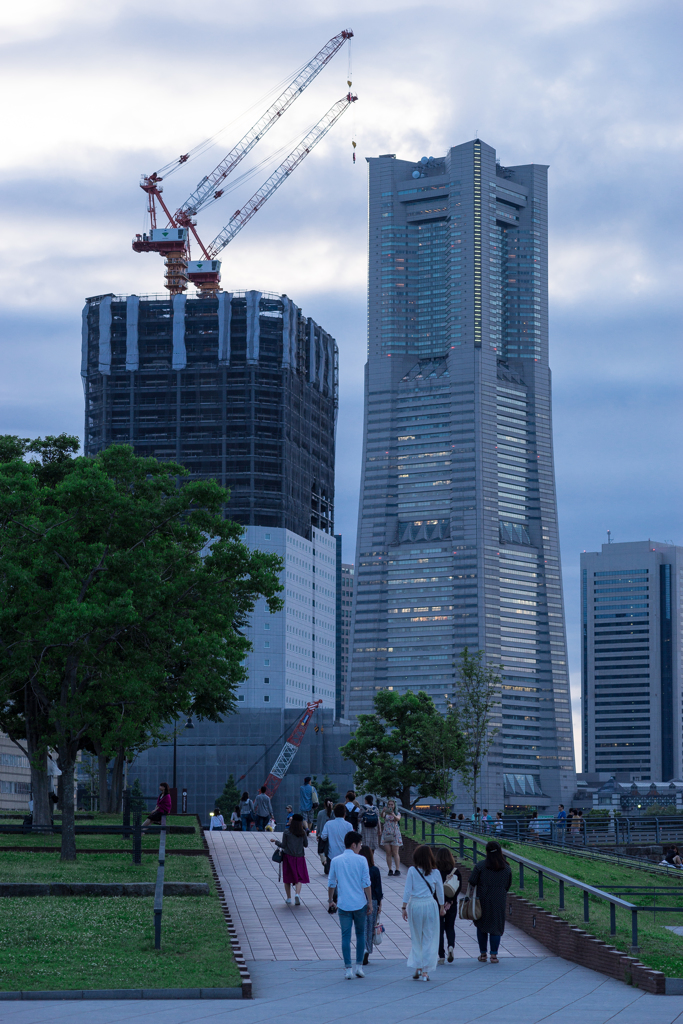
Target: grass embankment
x=660, y=949
x=85, y=942
x=110, y=841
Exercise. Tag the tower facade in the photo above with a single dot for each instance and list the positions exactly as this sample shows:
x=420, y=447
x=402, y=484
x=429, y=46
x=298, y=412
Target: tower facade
x=631, y=685
x=457, y=531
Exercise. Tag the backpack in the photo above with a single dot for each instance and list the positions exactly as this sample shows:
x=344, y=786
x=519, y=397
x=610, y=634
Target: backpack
x=370, y=818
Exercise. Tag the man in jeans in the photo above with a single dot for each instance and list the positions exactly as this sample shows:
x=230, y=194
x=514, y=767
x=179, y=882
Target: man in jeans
x=350, y=875
x=263, y=809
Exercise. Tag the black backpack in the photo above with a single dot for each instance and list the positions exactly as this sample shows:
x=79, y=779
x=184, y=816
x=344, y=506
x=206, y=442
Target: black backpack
x=370, y=818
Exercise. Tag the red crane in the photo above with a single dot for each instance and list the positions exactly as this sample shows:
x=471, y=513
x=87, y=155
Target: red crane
x=288, y=752
x=173, y=241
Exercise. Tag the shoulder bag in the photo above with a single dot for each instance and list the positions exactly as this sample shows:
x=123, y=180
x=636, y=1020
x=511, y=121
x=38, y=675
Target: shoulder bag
x=451, y=886
x=470, y=907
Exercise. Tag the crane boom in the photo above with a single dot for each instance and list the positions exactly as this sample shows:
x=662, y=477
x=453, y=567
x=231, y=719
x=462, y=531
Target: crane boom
x=244, y=215
x=207, y=188
x=288, y=752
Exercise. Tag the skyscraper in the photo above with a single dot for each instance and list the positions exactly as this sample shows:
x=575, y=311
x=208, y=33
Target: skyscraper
x=457, y=531
x=631, y=685
x=241, y=388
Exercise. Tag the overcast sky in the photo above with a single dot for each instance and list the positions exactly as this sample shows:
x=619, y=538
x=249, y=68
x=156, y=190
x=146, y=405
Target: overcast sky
x=96, y=93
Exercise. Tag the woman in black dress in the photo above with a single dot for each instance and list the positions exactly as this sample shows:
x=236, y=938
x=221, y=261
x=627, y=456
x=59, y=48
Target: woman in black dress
x=492, y=878
x=452, y=878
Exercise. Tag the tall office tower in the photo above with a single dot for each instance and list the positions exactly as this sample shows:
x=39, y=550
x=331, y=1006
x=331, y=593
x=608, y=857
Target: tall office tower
x=240, y=388
x=345, y=591
x=457, y=533
x=631, y=678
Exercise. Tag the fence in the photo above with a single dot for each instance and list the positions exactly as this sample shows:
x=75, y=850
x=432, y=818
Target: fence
x=469, y=845
x=616, y=831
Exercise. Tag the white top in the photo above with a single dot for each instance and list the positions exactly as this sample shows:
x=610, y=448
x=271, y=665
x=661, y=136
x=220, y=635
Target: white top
x=217, y=822
x=335, y=830
x=419, y=886
x=350, y=874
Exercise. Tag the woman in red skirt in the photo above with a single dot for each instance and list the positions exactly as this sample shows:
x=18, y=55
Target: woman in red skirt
x=294, y=870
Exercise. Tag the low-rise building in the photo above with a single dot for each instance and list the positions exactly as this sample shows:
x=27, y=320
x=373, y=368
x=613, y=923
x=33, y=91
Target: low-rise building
x=15, y=776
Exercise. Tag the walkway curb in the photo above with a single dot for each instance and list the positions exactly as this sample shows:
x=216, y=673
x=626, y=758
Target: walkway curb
x=127, y=993
x=232, y=931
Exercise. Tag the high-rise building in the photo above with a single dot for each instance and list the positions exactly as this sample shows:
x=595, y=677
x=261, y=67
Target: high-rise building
x=457, y=532
x=631, y=679
x=345, y=583
x=241, y=388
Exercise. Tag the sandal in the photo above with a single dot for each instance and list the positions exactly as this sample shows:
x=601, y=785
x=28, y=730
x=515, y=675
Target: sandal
x=494, y=959
x=417, y=974
x=482, y=958
x=425, y=976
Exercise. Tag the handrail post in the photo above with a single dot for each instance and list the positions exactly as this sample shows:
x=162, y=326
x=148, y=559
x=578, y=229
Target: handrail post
x=126, y=813
x=585, y=834
x=462, y=846
x=414, y=825
x=634, y=928
x=561, y=895
x=612, y=919
x=517, y=823
x=540, y=885
x=159, y=888
x=521, y=875
x=585, y=906
x=628, y=829
x=657, y=836
x=474, y=852
x=423, y=830
x=137, y=837
x=432, y=833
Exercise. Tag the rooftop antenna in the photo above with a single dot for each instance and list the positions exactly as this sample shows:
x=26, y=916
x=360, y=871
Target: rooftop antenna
x=609, y=536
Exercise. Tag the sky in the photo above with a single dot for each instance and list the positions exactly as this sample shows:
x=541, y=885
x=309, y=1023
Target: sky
x=98, y=93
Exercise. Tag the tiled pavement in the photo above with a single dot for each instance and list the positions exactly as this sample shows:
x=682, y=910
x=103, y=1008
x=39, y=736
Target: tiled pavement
x=268, y=929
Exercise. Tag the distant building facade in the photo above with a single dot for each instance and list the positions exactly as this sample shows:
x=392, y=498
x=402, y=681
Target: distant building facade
x=15, y=777
x=631, y=685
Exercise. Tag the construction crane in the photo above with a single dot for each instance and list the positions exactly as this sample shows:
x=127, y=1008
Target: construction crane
x=288, y=752
x=173, y=241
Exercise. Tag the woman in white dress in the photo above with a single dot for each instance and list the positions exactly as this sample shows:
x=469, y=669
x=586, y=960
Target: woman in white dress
x=423, y=904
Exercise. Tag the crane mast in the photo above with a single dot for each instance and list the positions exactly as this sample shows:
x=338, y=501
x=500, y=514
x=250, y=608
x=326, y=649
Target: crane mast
x=289, y=751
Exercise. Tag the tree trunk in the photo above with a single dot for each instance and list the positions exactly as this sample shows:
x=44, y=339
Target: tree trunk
x=40, y=780
x=102, y=764
x=116, y=791
x=405, y=796
x=67, y=801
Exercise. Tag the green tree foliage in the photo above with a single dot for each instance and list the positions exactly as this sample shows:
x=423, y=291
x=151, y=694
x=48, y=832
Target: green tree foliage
x=112, y=624
x=229, y=798
x=478, y=692
x=326, y=790
x=405, y=745
x=137, y=797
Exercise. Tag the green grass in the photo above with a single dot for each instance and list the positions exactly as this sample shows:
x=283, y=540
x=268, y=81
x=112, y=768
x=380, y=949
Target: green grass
x=47, y=867
x=79, y=942
x=112, y=842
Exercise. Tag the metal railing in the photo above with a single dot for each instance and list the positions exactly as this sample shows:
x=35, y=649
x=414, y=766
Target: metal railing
x=470, y=845
x=617, y=831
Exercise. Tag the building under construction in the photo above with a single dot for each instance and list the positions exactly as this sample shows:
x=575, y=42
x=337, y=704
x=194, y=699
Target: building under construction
x=237, y=387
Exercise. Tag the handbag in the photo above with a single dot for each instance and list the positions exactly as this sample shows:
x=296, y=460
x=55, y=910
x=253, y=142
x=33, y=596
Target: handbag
x=451, y=886
x=379, y=932
x=470, y=907
x=278, y=855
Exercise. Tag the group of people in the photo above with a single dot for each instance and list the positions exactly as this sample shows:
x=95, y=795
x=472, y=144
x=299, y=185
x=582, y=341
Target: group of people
x=348, y=835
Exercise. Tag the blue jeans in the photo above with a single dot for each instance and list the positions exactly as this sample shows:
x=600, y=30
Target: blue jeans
x=493, y=939
x=346, y=918
x=261, y=822
x=246, y=822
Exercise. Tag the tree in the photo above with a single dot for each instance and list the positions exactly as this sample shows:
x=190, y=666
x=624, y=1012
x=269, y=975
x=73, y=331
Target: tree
x=443, y=748
x=392, y=749
x=229, y=798
x=123, y=599
x=326, y=790
x=478, y=692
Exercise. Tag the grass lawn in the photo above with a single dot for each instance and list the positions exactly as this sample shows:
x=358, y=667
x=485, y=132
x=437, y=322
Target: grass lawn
x=82, y=942
x=86, y=942
x=660, y=949
x=111, y=842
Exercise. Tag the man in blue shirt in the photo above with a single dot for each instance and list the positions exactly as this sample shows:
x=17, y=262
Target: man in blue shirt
x=306, y=799
x=561, y=821
x=350, y=875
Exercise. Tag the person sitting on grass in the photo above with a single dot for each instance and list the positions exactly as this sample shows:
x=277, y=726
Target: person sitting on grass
x=163, y=806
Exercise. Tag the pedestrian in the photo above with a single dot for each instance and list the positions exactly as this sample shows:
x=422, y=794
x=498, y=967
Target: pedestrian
x=369, y=824
x=391, y=836
x=294, y=870
x=288, y=815
x=217, y=820
x=324, y=815
x=306, y=800
x=377, y=897
x=492, y=878
x=235, y=820
x=163, y=806
x=423, y=903
x=452, y=886
x=263, y=809
x=352, y=809
x=246, y=812
x=499, y=824
x=486, y=820
x=475, y=815
x=335, y=831
x=534, y=826
x=461, y=820
x=350, y=876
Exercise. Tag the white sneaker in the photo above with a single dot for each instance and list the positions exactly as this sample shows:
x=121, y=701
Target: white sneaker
x=450, y=955
x=348, y=974
x=288, y=901
x=297, y=901
x=441, y=960
x=360, y=973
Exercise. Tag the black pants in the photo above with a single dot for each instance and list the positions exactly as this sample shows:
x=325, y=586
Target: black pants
x=447, y=926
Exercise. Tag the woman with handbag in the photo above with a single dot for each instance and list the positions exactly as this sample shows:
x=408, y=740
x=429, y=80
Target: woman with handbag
x=246, y=812
x=377, y=897
x=423, y=903
x=325, y=815
x=391, y=836
x=491, y=878
x=452, y=884
x=294, y=870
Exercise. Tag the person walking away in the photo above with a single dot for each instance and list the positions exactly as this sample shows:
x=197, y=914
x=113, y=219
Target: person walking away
x=294, y=870
x=288, y=816
x=475, y=816
x=377, y=897
x=452, y=886
x=561, y=823
x=246, y=812
x=306, y=800
x=499, y=824
x=335, y=831
x=423, y=903
x=486, y=820
x=263, y=809
x=391, y=836
x=324, y=815
x=369, y=824
x=163, y=806
x=235, y=820
x=350, y=876
x=492, y=878
x=217, y=820
x=352, y=809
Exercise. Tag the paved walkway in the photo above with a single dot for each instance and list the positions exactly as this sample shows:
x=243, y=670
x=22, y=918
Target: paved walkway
x=268, y=929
